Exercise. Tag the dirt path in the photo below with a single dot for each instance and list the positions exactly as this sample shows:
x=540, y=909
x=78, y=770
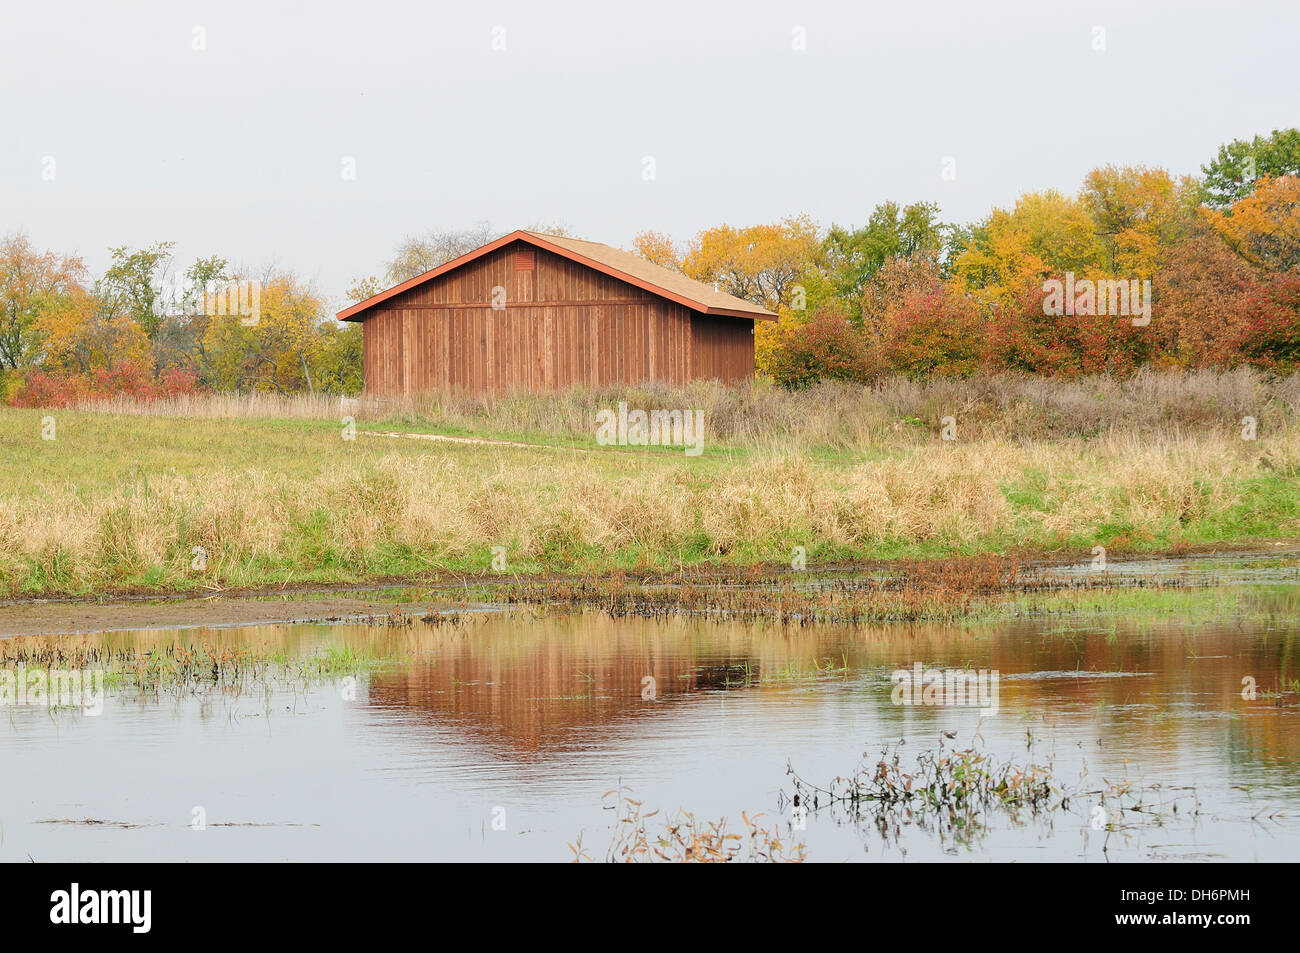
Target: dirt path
x=446, y=438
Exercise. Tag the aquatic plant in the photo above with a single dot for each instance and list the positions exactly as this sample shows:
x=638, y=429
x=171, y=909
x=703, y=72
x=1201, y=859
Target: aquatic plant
x=681, y=838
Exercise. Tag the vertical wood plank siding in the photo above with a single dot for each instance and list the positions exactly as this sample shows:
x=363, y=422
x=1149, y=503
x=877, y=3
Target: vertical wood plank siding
x=563, y=324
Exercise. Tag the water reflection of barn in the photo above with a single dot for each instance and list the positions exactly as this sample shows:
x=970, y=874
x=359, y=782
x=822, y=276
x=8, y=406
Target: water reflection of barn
x=571, y=680
x=534, y=688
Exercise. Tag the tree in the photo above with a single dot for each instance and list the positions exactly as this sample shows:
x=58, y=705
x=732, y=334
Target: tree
x=38, y=291
x=178, y=341
x=1231, y=175
x=1139, y=214
x=898, y=278
x=1272, y=337
x=420, y=253
x=336, y=361
x=203, y=277
x=1202, y=290
x=658, y=249
x=1042, y=233
x=363, y=288
x=853, y=257
x=1027, y=338
x=761, y=263
x=933, y=330
x=1264, y=227
x=274, y=352
x=84, y=334
x=135, y=284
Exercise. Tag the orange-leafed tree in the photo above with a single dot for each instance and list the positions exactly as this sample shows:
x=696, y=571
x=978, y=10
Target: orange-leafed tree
x=823, y=346
x=658, y=249
x=1201, y=317
x=932, y=331
x=1028, y=338
x=39, y=291
x=1264, y=226
x=761, y=263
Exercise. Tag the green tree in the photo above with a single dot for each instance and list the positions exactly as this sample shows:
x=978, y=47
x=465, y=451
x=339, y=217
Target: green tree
x=853, y=257
x=135, y=284
x=1231, y=175
x=336, y=360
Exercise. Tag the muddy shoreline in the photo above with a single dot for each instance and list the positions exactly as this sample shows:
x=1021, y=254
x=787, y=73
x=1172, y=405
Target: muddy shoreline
x=347, y=602
x=89, y=618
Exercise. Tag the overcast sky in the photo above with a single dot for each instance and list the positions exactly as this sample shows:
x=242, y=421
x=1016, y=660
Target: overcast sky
x=241, y=147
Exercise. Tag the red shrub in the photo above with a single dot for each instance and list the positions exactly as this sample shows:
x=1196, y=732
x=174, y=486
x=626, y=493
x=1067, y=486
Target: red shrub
x=933, y=331
x=1272, y=323
x=63, y=389
x=1025, y=338
x=826, y=347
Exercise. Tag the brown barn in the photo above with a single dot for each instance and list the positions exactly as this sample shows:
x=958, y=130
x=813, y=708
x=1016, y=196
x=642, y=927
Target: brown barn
x=532, y=311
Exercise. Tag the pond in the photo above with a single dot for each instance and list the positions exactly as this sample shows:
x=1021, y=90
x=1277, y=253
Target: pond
x=499, y=737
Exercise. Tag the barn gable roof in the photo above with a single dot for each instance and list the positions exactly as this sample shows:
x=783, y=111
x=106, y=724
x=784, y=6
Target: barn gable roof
x=611, y=261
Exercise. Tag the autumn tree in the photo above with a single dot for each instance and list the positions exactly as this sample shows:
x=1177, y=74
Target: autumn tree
x=658, y=249
x=1202, y=291
x=274, y=349
x=826, y=346
x=80, y=335
x=761, y=263
x=1272, y=319
x=1043, y=232
x=1029, y=337
x=897, y=279
x=852, y=257
x=1139, y=214
x=363, y=288
x=932, y=330
x=40, y=292
x=1264, y=227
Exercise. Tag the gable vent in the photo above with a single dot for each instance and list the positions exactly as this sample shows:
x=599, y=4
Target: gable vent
x=524, y=259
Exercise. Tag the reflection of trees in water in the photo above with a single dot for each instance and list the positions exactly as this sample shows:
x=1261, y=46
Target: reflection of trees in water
x=533, y=682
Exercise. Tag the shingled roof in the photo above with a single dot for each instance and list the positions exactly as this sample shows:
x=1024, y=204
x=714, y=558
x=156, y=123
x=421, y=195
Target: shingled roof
x=612, y=261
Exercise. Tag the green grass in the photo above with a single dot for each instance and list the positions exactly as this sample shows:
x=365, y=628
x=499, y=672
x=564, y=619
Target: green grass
x=119, y=501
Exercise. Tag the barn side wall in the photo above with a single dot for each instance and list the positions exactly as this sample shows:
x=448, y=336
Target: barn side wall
x=562, y=324
x=722, y=348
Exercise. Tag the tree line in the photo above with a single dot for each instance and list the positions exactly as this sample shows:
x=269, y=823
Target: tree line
x=904, y=293
x=907, y=293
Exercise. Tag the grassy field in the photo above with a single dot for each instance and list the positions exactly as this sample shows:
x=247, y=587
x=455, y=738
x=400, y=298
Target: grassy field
x=272, y=492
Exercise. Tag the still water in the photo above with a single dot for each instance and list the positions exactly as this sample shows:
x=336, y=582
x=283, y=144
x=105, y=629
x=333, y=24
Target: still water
x=495, y=740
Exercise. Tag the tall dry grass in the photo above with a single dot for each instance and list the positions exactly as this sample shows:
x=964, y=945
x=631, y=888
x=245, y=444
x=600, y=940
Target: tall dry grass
x=444, y=508
x=829, y=415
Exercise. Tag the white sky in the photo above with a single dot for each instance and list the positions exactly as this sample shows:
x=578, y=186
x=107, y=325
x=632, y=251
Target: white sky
x=238, y=149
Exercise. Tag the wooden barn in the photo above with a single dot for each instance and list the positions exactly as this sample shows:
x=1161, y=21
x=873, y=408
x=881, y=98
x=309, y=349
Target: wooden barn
x=532, y=311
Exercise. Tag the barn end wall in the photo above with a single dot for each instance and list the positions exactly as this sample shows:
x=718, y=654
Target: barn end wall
x=561, y=324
